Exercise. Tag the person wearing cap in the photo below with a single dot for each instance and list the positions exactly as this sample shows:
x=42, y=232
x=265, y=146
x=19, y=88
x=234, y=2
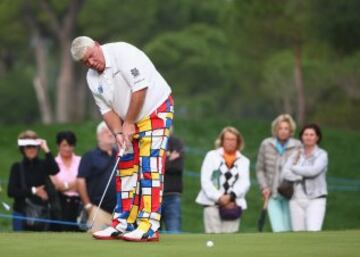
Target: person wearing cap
x=135, y=102
x=28, y=177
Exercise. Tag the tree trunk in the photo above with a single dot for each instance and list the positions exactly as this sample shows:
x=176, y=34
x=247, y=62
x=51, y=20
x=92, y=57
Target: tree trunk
x=64, y=30
x=65, y=94
x=287, y=107
x=40, y=81
x=299, y=84
x=80, y=89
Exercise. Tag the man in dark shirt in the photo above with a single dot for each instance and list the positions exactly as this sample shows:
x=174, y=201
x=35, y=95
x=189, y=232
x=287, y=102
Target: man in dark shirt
x=94, y=172
x=171, y=206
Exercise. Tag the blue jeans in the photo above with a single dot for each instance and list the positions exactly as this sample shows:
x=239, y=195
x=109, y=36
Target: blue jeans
x=18, y=224
x=171, y=213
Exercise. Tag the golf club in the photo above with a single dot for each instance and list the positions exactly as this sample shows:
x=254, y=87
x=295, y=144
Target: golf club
x=6, y=206
x=262, y=216
x=121, y=153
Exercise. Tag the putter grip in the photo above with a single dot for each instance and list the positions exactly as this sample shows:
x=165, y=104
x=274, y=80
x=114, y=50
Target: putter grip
x=121, y=151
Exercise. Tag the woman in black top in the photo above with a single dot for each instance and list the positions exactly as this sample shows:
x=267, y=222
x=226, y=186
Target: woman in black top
x=28, y=177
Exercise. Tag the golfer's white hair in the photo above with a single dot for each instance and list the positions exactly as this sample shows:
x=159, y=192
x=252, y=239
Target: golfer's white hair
x=102, y=125
x=79, y=46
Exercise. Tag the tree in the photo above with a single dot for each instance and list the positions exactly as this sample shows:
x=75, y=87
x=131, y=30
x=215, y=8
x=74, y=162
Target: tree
x=40, y=81
x=262, y=27
x=63, y=29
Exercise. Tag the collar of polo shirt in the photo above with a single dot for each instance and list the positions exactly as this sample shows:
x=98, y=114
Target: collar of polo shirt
x=108, y=61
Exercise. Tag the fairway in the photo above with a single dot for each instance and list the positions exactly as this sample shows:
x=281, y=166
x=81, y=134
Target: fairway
x=323, y=244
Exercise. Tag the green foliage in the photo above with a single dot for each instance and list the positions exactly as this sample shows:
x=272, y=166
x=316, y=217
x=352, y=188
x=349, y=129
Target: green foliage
x=222, y=58
x=196, y=60
x=337, y=22
x=11, y=29
x=18, y=100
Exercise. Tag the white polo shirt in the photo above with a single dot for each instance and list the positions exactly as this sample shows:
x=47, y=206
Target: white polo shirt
x=127, y=70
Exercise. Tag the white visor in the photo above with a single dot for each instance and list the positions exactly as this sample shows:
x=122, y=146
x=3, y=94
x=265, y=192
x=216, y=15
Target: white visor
x=26, y=142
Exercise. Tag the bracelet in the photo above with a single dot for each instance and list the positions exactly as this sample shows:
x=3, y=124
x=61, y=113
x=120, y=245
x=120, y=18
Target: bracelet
x=88, y=206
x=33, y=190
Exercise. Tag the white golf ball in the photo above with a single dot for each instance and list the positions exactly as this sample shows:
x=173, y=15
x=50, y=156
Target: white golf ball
x=209, y=243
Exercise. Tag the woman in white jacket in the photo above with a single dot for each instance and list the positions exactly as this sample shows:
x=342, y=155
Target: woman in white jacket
x=307, y=169
x=224, y=183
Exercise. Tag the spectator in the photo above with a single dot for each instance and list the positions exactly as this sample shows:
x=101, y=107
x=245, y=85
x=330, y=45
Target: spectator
x=65, y=180
x=307, y=168
x=224, y=183
x=171, y=206
x=94, y=172
x=28, y=178
x=273, y=153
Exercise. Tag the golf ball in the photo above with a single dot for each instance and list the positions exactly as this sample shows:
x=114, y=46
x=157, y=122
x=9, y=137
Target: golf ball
x=209, y=243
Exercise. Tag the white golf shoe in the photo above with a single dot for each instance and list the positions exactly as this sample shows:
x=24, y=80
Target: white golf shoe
x=139, y=236
x=108, y=233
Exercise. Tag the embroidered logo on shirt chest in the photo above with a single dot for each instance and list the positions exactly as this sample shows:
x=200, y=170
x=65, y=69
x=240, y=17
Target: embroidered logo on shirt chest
x=100, y=89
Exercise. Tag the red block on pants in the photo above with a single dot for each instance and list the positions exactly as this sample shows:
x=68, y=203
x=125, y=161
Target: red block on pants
x=155, y=199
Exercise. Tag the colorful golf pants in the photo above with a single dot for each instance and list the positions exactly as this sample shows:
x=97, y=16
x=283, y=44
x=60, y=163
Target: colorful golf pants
x=139, y=182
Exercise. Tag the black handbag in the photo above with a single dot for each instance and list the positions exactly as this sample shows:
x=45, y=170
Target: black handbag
x=230, y=214
x=286, y=189
x=82, y=218
x=34, y=212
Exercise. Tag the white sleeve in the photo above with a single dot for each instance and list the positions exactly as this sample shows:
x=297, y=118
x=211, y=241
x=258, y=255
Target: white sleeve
x=99, y=100
x=286, y=172
x=103, y=107
x=207, y=186
x=242, y=185
x=319, y=166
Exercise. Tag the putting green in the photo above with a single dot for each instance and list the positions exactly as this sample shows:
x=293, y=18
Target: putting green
x=323, y=244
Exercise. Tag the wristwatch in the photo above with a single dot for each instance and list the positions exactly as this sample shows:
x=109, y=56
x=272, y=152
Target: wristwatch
x=88, y=206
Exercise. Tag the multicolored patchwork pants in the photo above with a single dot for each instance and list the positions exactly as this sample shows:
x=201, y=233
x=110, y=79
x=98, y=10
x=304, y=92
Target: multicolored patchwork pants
x=139, y=182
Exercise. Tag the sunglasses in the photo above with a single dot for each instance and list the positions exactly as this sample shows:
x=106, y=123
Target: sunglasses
x=31, y=146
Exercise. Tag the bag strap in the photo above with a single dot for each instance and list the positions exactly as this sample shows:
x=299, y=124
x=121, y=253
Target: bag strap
x=22, y=176
x=297, y=157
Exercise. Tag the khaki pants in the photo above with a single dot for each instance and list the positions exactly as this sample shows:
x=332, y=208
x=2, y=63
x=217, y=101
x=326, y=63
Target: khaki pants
x=103, y=219
x=214, y=224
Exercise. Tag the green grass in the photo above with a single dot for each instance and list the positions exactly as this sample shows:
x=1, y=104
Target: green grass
x=323, y=244
x=343, y=210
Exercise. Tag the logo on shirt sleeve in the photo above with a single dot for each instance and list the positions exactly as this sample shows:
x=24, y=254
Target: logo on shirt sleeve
x=135, y=72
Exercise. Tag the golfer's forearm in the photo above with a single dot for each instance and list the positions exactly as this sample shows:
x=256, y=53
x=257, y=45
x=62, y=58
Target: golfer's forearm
x=136, y=104
x=113, y=121
x=81, y=187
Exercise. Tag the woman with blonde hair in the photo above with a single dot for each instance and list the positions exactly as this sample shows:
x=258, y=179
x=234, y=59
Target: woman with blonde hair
x=224, y=183
x=273, y=153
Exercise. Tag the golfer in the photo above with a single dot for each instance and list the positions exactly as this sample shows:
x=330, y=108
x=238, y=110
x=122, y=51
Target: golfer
x=135, y=102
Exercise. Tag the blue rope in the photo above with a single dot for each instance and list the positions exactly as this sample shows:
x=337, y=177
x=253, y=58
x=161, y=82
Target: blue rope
x=7, y=216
